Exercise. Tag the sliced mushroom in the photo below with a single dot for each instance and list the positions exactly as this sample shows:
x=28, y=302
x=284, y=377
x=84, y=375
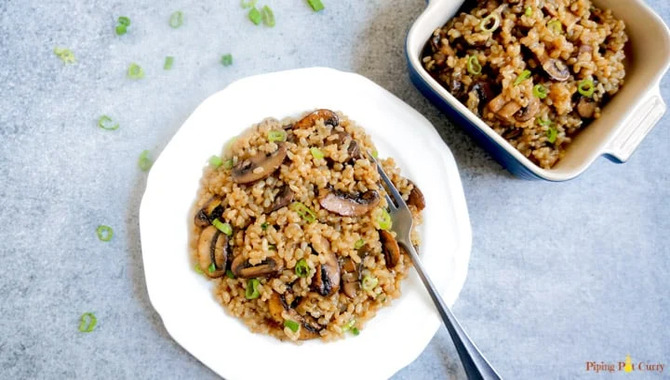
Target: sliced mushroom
x=389, y=248
x=210, y=211
x=350, y=204
x=326, y=280
x=283, y=198
x=484, y=93
x=277, y=306
x=259, y=166
x=512, y=133
x=556, y=69
x=527, y=113
x=329, y=118
x=353, y=148
x=416, y=198
x=350, y=282
x=213, y=249
x=267, y=268
x=586, y=107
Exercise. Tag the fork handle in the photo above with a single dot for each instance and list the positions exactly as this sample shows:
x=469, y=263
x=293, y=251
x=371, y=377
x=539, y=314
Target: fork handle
x=475, y=364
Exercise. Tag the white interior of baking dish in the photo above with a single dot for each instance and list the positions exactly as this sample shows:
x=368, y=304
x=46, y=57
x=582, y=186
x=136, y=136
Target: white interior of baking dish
x=625, y=120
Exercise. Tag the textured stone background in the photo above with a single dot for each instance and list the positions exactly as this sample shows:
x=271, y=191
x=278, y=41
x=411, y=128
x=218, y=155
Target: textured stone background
x=561, y=273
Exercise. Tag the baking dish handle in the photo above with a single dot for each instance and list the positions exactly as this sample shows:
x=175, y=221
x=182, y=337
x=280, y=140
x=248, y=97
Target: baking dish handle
x=636, y=127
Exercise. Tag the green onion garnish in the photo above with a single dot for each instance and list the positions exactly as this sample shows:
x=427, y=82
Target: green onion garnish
x=384, y=220
x=264, y=226
x=255, y=16
x=215, y=162
x=248, y=4
x=544, y=123
x=368, y=282
x=522, y=77
x=123, y=20
x=555, y=26
x=272, y=247
x=169, y=60
x=351, y=324
x=144, y=162
x=375, y=154
x=303, y=211
x=355, y=331
x=122, y=27
x=529, y=11
x=268, y=16
x=586, y=87
x=87, y=322
x=197, y=269
x=359, y=244
x=274, y=136
x=105, y=122
x=135, y=71
x=227, y=59
x=176, y=19
x=223, y=227
x=316, y=153
x=228, y=164
x=492, y=19
x=292, y=325
x=65, y=55
x=316, y=5
x=539, y=91
x=229, y=273
x=252, y=289
x=211, y=268
x=474, y=68
x=301, y=268
x=551, y=134
x=105, y=233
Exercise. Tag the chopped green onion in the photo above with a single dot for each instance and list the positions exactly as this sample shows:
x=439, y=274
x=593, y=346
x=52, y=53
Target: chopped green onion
x=215, y=162
x=255, y=16
x=272, y=247
x=375, y=154
x=368, y=282
x=292, y=325
x=316, y=5
x=176, y=19
x=228, y=164
x=301, y=268
x=223, y=227
x=168, y=63
x=123, y=20
x=303, y=211
x=522, y=77
x=551, y=134
x=105, y=122
x=274, y=136
x=121, y=30
x=105, y=233
x=135, y=71
x=211, y=268
x=474, y=68
x=264, y=226
x=65, y=55
x=555, y=26
x=544, y=123
x=227, y=59
x=87, y=322
x=268, y=16
x=487, y=20
x=248, y=4
x=144, y=162
x=539, y=91
x=359, y=244
x=354, y=330
x=384, y=220
x=586, y=87
x=351, y=324
x=229, y=273
x=197, y=269
x=529, y=11
x=252, y=289
x=316, y=153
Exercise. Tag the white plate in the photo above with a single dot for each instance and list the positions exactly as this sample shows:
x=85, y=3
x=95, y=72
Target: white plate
x=184, y=299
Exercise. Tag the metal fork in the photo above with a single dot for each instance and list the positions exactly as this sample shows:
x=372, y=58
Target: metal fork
x=475, y=364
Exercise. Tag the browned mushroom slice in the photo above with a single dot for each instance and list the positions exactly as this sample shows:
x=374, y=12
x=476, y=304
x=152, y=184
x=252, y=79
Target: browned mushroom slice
x=350, y=282
x=326, y=280
x=350, y=204
x=212, y=249
x=586, y=107
x=483, y=91
x=556, y=69
x=283, y=198
x=508, y=110
x=276, y=306
x=329, y=118
x=210, y=211
x=390, y=249
x=527, y=113
x=309, y=330
x=416, y=198
x=259, y=166
x=267, y=268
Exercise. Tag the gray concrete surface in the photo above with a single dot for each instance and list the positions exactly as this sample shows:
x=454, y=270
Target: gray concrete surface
x=561, y=273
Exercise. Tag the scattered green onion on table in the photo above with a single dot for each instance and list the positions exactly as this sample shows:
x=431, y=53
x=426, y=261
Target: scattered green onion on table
x=87, y=322
x=105, y=233
x=105, y=122
x=176, y=19
x=144, y=162
x=227, y=59
x=169, y=61
x=65, y=55
x=135, y=71
x=316, y=5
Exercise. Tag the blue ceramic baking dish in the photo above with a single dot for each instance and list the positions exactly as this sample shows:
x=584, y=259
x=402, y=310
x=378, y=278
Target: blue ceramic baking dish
x=625, y=121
